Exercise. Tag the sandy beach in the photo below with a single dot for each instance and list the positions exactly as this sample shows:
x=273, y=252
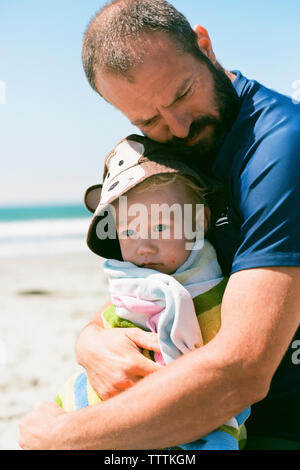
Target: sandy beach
x=45, y=301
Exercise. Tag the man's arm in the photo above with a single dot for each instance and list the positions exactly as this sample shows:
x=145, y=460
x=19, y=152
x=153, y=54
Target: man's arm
x=198, y=392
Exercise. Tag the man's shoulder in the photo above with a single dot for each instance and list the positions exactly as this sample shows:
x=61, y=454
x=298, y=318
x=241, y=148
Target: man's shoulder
x=266, y=110
x=251, y=90
x=267, y=128
x=275, y=112
x=260, y=164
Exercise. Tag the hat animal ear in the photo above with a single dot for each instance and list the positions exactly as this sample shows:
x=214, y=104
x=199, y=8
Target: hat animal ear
x=92, y=197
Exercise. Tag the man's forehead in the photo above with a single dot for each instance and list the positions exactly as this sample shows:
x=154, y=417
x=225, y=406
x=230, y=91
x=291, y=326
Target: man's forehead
x=142, y=85
x=140, y=98
x=125, y=94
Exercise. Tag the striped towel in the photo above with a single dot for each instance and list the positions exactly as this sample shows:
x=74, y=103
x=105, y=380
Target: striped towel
x=182, y=308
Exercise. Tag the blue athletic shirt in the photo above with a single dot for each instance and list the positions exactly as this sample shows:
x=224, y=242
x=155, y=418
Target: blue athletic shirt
x=260, y=164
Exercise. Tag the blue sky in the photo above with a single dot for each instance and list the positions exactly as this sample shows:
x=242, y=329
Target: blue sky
x=56, y=131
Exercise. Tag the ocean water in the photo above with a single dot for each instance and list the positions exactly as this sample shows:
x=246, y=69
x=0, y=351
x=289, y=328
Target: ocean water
x=31, y=230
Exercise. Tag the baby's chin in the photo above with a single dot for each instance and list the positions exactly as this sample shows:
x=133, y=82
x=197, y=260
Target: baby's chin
x=159, y=267
x=167, y=270
x=163, y=268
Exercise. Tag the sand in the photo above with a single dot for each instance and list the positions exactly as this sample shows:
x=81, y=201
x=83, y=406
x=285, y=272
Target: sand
x=45, y=302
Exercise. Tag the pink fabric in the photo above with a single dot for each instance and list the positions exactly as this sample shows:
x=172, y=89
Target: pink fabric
x=147, y=307
x=137, y=305
x=159, y=359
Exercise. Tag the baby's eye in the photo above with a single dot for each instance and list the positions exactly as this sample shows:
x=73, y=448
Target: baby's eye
x=128, y=233
x=160, y=228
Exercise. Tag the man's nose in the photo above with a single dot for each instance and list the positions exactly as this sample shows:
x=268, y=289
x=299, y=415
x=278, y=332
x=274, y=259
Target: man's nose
x=178, y=122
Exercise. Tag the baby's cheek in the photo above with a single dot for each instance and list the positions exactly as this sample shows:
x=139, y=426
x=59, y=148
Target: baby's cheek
x=126, y=249
x=175, y=254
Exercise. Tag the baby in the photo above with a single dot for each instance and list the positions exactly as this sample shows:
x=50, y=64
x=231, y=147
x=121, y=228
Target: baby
x=149, y=222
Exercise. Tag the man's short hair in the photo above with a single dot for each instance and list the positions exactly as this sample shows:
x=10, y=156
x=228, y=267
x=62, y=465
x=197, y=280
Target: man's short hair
x=113, y=40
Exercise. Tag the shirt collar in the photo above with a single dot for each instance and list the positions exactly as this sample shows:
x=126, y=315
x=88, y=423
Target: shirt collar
x=239, y=83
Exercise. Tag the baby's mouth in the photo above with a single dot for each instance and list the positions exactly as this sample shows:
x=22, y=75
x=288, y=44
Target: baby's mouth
x=150, y=265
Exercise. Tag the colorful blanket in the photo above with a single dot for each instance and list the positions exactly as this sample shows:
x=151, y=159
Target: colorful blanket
x=182, y=308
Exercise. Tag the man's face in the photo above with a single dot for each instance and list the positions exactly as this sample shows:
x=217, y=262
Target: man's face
x=174, y=97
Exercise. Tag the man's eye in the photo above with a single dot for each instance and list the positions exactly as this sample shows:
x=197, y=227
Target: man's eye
x=184, y=95
x=149, y=123
x=160, y=228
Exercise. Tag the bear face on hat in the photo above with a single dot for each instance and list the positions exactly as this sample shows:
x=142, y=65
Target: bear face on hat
x=122, y=169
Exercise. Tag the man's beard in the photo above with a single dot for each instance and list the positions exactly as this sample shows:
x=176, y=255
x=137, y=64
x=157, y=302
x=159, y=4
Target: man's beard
x=202, y=155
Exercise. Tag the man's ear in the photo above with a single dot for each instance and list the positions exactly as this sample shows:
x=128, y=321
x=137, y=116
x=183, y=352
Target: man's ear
x=204, y=42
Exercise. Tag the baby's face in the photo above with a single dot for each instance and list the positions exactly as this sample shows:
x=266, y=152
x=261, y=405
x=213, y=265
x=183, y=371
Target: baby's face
x=152, y=238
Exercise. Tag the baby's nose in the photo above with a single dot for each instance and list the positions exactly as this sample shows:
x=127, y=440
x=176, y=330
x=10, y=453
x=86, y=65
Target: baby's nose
x=146, y=247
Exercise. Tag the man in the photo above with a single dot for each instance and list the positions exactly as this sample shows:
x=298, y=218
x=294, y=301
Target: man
x=143, y=57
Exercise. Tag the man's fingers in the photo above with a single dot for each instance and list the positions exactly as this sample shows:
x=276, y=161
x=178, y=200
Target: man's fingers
x=116, y=386
x=125, y=383
x=144, y=339
x=109, y=393
x=145, y=366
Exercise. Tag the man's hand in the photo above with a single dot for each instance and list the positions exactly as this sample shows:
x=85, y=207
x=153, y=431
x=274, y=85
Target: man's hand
x=38, y=429
x=112, y=357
